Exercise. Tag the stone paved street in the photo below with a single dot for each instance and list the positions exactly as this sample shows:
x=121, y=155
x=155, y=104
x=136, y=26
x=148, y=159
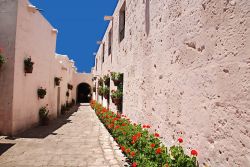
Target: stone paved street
x=79, y=140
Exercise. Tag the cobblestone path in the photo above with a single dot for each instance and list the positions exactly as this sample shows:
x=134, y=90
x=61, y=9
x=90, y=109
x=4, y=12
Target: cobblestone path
x=79, y=140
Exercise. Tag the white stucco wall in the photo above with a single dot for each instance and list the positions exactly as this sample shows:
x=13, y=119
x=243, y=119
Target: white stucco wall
x=186, y=69
x=26, y=33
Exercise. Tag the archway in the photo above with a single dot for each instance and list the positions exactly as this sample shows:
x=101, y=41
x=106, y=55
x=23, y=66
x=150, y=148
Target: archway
x=83, y=93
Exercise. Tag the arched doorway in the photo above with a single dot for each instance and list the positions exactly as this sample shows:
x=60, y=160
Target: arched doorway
x=83, y=93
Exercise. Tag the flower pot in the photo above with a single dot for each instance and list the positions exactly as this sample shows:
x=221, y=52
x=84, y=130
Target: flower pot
x=41, y=96
x=106, y=96
x=117, y=101
x=28, y=69
x=107, y=82
x=112, y=99
x=44, y=121
x=117, y=82
x=57, y=82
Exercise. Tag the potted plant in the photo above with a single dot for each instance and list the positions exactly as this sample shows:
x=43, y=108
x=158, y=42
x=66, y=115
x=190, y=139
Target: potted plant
x=43, y=116
x=116, y=96
x=2, y=59
x=63, y=109
x=100, y=82
x=41, y=92
x=94, y=89
x=106, y=80
x=100, y=90
x=70, y=87
x=67, y=93
x=117, y=78
x=106, y=92
x=57, y=81
x=28, y=65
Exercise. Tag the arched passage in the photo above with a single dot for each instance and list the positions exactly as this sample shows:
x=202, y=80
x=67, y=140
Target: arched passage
x=83, y=92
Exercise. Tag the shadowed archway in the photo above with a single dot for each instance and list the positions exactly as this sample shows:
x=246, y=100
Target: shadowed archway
x=83, y=92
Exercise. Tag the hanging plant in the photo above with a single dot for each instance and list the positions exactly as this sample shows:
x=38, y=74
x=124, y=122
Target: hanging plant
x=94, y=89
x=28, y=65
x=106, y=80
x=100, y=82
x=100, y=91
x=106, y=92
x=67, y=93
x=2, y=59
x=70, y=87
x=57, y=81
x=117, y=78
x=44, y=116
x=41, y=92
x=116, y=96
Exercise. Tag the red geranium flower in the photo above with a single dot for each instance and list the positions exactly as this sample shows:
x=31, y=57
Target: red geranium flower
x=180, y=140
x=132, y=153
x=148, y=126
x=158, y=151
x=123, y=148
x=144, y=126
x=157, y=135
x=152, y=145
x=1, y=50
x=194, y=152
x=134, y=164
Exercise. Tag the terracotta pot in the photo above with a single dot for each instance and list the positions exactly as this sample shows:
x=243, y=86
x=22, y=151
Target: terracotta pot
x=57, y=83
x=106, y=96
x=28, y=69
x=41, y=96
x=44, y=121
x=118, y=101
x=107, y=82
x=117, y=82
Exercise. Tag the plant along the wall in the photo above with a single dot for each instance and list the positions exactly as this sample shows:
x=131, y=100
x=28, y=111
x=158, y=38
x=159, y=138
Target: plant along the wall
x=44, y=116
x=2, y=59
x=41, y=92
x=70, y=87
x=94, y=89
x=106, y=92
x=57, y=81
x=100, y=91
x=116, y=96
x=117, y=78
x=106, y=80
x=28, y=65
x=67, y=93
x=100, y=82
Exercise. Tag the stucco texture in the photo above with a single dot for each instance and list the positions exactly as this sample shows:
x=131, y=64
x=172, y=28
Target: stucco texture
x=24, y=33
x=186, y=68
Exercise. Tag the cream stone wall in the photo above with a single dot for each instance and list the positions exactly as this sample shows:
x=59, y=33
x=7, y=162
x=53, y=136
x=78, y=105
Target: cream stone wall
x=186, y=66
x=24, y=32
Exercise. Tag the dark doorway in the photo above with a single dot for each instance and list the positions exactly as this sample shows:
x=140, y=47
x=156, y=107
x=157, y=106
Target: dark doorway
x=83, y=93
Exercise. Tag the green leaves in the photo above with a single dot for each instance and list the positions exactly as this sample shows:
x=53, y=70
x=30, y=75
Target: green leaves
x=139, y=145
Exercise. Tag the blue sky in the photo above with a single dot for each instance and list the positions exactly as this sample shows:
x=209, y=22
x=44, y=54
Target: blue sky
x=80, y=24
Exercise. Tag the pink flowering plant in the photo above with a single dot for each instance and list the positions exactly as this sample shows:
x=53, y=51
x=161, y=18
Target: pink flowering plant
x=142, y=148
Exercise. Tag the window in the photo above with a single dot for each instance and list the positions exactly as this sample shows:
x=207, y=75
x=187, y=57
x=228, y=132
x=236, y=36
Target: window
x=122, y=21
x=110, y=42
x=103, y=52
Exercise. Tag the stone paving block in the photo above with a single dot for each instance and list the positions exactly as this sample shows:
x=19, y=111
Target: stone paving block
x=84, y=142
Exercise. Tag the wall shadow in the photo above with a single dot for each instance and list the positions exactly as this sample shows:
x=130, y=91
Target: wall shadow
x=4, y=147
x=43, y=131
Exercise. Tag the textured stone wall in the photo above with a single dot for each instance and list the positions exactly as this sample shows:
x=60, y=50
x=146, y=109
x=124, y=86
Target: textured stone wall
x=186, y=66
